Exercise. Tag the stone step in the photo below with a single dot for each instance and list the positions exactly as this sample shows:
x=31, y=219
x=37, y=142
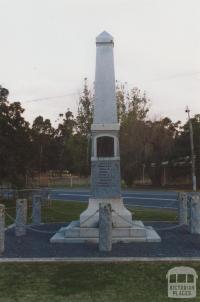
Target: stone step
x=74, y=230
x=151, y=236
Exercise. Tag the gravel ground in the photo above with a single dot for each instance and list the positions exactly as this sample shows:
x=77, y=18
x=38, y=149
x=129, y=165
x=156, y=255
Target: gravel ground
x=175, y=243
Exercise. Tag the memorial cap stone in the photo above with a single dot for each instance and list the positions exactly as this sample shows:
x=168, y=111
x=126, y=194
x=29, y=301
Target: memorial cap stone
x=104, y=37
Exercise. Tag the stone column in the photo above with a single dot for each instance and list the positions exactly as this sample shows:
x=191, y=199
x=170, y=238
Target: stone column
x=2, y=228
x=105, y=228
x=21, y=217
x=182, y=208
x=195, y=214
x=36, y=211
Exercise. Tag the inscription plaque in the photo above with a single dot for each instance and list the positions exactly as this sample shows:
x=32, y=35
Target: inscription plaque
x=106, y=179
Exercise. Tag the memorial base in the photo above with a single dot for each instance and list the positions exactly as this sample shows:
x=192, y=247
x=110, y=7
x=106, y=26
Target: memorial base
x=73, y=233
x=124, y=229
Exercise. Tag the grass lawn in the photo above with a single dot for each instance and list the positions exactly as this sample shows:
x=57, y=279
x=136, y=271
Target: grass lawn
x=67, y=211
x=61, y=211
x=83, y=282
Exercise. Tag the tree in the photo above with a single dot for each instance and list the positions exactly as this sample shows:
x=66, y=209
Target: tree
x=82, y=135
x=121, y=100
x=182, y=144
x=159, y=147
x=44, y=157
x=14, y=141
x=85, y=111
x=65, y=140
x=133, y=135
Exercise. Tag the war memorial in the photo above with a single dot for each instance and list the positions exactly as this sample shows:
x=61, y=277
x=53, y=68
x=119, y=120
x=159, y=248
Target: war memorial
x=105, y=163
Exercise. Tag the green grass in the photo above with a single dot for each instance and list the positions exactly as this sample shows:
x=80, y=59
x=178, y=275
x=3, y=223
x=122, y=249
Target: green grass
x=154, y=214
x=123, y=282
x=68, y=186
x=67, y=211
x=62, y=211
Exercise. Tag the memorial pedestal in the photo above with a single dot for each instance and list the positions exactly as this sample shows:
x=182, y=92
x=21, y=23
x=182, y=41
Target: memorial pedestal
x=124, y=229
x=73, y=233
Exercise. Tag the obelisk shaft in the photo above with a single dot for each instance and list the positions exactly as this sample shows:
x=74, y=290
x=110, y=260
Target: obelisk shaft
x=105, y=108
x=105, y=166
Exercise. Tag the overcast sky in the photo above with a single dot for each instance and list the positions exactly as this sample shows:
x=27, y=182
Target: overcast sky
x=48, y=47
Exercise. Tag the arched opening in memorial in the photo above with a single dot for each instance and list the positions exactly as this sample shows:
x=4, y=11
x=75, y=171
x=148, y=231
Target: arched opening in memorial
x=105, y=146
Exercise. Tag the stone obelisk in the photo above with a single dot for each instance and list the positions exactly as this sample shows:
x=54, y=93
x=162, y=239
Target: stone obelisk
x=105, y=163
x=105, y=159
x=105, y=173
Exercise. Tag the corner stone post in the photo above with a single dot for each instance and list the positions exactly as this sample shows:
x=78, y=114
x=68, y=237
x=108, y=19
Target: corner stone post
x=36, y=214
x=21, y=217
x=2, y=228
x=105, y=227
x=182, y=208
x=195, y=214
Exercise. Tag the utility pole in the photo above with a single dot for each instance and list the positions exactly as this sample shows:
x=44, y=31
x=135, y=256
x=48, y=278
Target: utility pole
x=194, y=183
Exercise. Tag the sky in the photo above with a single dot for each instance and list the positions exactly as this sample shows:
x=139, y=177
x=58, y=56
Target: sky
x=48, y=48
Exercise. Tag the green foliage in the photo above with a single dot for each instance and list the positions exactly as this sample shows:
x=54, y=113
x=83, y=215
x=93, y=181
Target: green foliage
x=121, y=100
x=132, y=133
x=159, y=146
x=14, y=141
x=25, y=150
x=81, y=149
x=182, y=143
x=85, y=111
x=43, y=145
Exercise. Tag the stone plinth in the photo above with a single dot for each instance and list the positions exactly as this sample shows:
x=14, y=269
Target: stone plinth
x=73, y=233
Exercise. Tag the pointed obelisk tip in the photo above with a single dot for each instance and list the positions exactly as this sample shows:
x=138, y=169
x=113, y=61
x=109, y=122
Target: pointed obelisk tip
x=104, y=37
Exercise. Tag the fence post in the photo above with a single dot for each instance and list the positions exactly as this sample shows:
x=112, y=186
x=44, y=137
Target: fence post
x=105, y=227
x=195, y=214
x=2, y=228
x=49, y=201
x=36, y=210
x=182, y=208
x=21, y=217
